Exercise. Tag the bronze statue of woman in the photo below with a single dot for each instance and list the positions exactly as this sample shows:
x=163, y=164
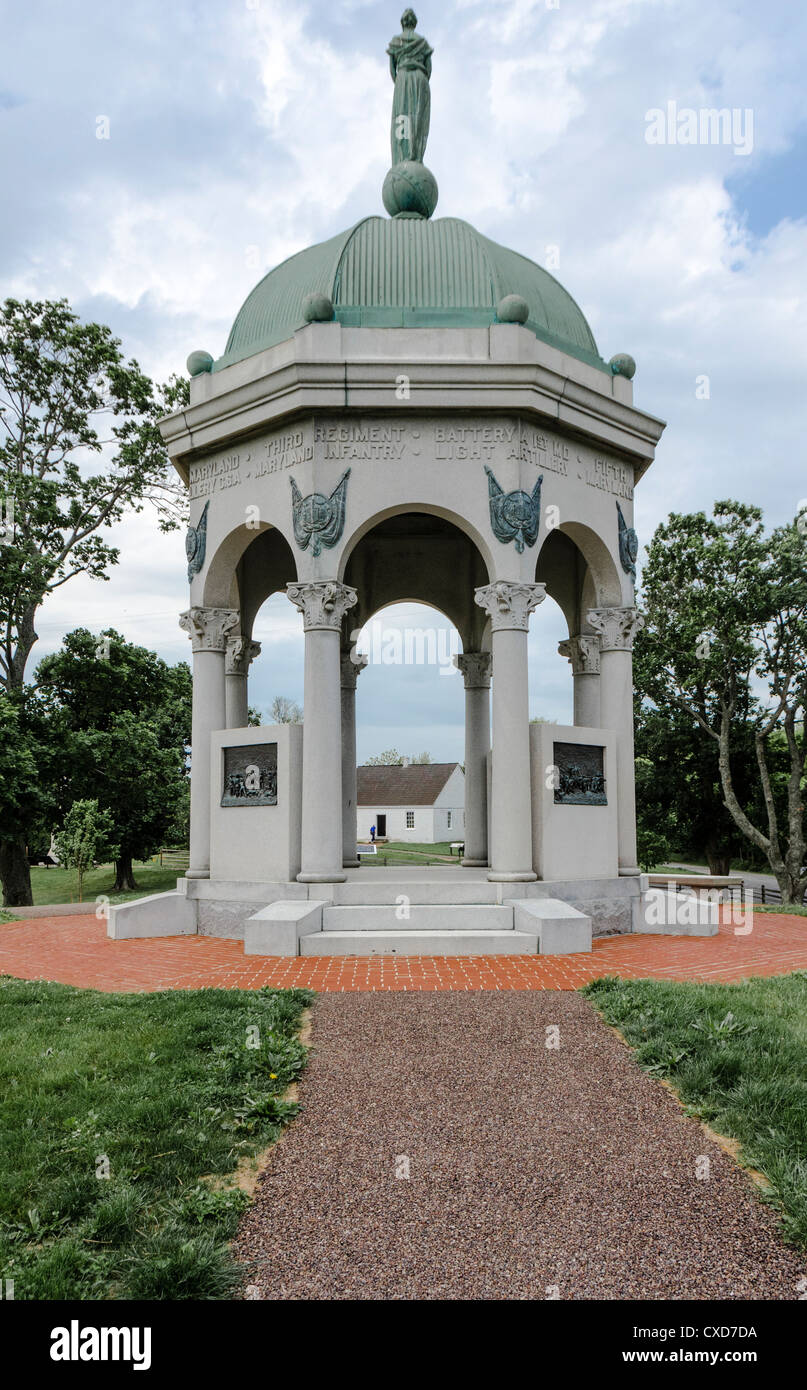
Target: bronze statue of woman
x=410, y=64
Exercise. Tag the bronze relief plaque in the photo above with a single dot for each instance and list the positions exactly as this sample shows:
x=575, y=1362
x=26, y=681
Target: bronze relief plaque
x=250, y=775
x=581, y=775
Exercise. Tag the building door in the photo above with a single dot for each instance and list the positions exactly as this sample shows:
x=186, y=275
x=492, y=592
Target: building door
x=381, y=827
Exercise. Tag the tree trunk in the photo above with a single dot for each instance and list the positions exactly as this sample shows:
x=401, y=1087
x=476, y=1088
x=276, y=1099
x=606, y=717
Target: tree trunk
x=124, y=874
x=15, y=873
x=718, y=858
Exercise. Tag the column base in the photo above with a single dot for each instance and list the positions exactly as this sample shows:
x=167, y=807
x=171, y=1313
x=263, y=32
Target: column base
x=629, y=873
x=526, y=876
x=197, y=873
x=351, y=863
x=321, y=878
x=474, y=863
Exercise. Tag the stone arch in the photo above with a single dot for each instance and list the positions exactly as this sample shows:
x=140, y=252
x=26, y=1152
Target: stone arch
x=579, y=572
x=418, y=555
x=247, y=567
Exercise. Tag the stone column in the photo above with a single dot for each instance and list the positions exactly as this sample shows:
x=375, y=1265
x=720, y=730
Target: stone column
x=475, y=667
x=509, y=606
x=208, y=629
x=323, y=604
x=241, y=652
x=617, y=628
x=584, y=654
x=351, y=668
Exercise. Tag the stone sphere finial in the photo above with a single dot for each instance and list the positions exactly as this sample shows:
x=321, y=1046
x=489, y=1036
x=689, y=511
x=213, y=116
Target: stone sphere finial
x=622, y=364
x=410, y=190
x=199, y=362
x=317, y=308
x=512, y=309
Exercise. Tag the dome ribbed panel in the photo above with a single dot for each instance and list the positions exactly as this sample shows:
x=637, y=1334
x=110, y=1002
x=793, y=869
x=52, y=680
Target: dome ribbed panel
x=406, y=271
x=551, y=306
x=411, y=263
x=274, y=309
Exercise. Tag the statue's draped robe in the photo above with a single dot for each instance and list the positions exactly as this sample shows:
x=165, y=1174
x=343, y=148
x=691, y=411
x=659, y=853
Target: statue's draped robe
x=410, y=65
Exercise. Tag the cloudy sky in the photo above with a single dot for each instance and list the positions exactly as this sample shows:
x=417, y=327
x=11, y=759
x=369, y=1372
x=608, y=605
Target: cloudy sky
x=241, y=131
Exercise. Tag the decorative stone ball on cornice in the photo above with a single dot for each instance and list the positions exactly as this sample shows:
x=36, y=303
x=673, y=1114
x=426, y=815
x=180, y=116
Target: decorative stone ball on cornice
x=317, y=308
x=622, y=364
x=512, y=309
x=199, y=362
x=410, y=190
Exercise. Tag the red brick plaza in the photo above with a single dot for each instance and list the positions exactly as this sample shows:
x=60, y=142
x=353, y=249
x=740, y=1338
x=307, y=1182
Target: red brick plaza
x=76, y=951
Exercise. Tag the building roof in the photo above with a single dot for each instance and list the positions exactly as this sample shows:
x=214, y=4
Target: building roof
x=409, y=272
x=419, y=784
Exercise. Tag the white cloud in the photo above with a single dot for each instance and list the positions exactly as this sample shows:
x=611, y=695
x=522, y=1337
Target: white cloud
x=238, y=128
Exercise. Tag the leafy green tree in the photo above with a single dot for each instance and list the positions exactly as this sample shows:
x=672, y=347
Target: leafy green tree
x=678, y=790
x=27, y=803
x=85, y=837
x=725, y=643
x=122, y=720
x=79, y=447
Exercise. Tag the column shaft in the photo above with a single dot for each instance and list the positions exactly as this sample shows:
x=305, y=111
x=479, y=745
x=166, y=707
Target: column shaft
x=509, y=606
x=236, y=700
x=616, y=628
x=350, y=669
x=208, y=629
x=323, y=604
x=475, y=667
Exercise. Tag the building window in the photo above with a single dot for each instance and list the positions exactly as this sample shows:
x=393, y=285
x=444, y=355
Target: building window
x=448, y=820
x=410, y=820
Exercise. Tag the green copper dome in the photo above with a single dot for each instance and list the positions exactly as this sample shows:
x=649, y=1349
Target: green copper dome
x=408, y=272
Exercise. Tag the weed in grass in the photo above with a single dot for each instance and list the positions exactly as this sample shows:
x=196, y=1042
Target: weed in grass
x=153, y=1090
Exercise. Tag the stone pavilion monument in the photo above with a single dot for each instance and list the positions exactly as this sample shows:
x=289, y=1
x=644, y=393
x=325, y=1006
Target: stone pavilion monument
x=409, y=411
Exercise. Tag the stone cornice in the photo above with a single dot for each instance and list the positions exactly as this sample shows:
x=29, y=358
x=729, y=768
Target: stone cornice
x=236, y=406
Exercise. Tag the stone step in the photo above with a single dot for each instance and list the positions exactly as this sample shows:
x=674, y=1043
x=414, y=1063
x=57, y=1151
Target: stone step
x=431, y=916
x=371, y=891
x=419, y=943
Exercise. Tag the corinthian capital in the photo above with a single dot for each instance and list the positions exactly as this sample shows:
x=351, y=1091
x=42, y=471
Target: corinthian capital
x=616, y=627
x=475, y=667
x=241, y=652
x=583, y=652
x=509, y=605
x=209, y=628
x=351, y=666
x=323, y=603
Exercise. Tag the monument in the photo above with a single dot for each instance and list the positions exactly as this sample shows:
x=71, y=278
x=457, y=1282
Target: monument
x=410, y=411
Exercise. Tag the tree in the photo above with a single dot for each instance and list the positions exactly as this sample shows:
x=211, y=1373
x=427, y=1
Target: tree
x=79, y=446
x=679, y=796
x=27, y=804
x=285, y=711
x=725, y=643
x=86, y=836
x=122, y=720
x=392, y=758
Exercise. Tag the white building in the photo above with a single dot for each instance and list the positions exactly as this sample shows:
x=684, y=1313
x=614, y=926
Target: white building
x=422, y=802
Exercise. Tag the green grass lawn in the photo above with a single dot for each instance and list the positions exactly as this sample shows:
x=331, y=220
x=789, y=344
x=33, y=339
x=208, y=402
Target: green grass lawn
x=737, y=1057
x=404, y=852
x=61, y=885
x=165, y=1088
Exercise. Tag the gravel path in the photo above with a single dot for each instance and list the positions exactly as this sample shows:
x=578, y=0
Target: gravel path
x=533, y=1172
